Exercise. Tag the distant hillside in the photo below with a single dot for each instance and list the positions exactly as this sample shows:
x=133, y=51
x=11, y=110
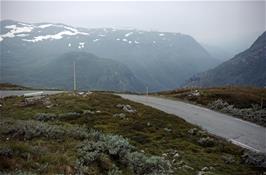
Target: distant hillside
x=246, y=68
x=92, y=73
x=159, y=60
x=8, y=86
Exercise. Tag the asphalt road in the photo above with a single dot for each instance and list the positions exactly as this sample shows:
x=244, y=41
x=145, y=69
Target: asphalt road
x=6, y=93
x=242, y=133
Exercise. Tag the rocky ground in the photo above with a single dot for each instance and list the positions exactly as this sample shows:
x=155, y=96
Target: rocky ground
x=100, y=133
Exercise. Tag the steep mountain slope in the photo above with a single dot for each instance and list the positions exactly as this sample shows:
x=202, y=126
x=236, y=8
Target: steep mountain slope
x=159, y=60
x=91, y=73
x=246, y=68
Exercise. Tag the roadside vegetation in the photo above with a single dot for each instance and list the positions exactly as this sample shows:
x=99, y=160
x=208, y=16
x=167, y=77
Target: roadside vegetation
x=100, y=133
x=9, y=86
x=247, y=103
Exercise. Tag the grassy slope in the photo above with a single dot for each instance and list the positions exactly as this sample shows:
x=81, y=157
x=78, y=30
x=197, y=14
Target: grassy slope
x=59, y=155
x=8, y=86
x=240, y=97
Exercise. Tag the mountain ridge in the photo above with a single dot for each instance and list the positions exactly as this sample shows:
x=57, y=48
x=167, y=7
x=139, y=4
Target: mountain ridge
x=246, y=68
x=159, y=60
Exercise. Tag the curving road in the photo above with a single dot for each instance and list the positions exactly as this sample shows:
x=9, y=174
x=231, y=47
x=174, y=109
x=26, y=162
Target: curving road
x=242, y=133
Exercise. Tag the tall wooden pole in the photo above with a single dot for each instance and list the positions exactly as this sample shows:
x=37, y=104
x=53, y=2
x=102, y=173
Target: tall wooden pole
x=74, y=72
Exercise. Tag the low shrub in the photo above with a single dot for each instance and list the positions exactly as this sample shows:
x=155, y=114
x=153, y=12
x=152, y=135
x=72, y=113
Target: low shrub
x=119, y=149
x=30, y=129
x=254, y=114
x=49, y=116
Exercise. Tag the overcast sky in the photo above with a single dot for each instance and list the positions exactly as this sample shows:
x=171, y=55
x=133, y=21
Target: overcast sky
x=232, y=26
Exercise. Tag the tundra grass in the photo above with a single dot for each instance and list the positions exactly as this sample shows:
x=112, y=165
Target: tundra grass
x=240, y=97
x=149, y=130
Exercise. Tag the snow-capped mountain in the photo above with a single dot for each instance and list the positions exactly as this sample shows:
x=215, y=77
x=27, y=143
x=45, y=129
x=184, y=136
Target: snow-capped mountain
x=159, y=60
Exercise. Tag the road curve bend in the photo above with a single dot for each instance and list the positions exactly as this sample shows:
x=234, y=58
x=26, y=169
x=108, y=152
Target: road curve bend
x=240, y=132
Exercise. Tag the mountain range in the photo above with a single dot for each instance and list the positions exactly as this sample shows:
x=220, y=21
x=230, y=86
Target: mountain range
x=41, y=55
x=247, y=68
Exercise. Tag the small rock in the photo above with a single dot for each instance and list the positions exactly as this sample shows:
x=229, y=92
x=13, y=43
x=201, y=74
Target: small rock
x=119, y=105
x=206, y=141
x=129, y=109
x=164, y=155
x=88, y=112
x=148, y=124
x=81, y=93
x=193, y=131
x=201, y=173
x=187, y=167
x=176, y=155
x=167, y=129
x=126, y=108
x=205, y=169
x=121, y=115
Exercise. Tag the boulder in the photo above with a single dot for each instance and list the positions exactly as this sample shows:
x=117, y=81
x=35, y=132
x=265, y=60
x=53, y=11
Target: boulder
x=126, y=108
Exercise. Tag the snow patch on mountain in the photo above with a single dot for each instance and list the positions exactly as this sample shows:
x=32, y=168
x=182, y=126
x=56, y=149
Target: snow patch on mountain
x=45, y=26
x=10, y=27
x=81, y=45
x=22, y=35
x=15, y=30
x=161, y=34
x=95, y=40
x=23, y=24
x=128, y=34
x=57, y=36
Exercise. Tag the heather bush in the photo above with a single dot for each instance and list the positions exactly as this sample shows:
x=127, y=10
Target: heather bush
x=142, y=164
x=30, y=129
x=119, y=149
x=49, y=116
x=116, y=145
x=44, y=116
x=89, y=151
x=254, y=114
